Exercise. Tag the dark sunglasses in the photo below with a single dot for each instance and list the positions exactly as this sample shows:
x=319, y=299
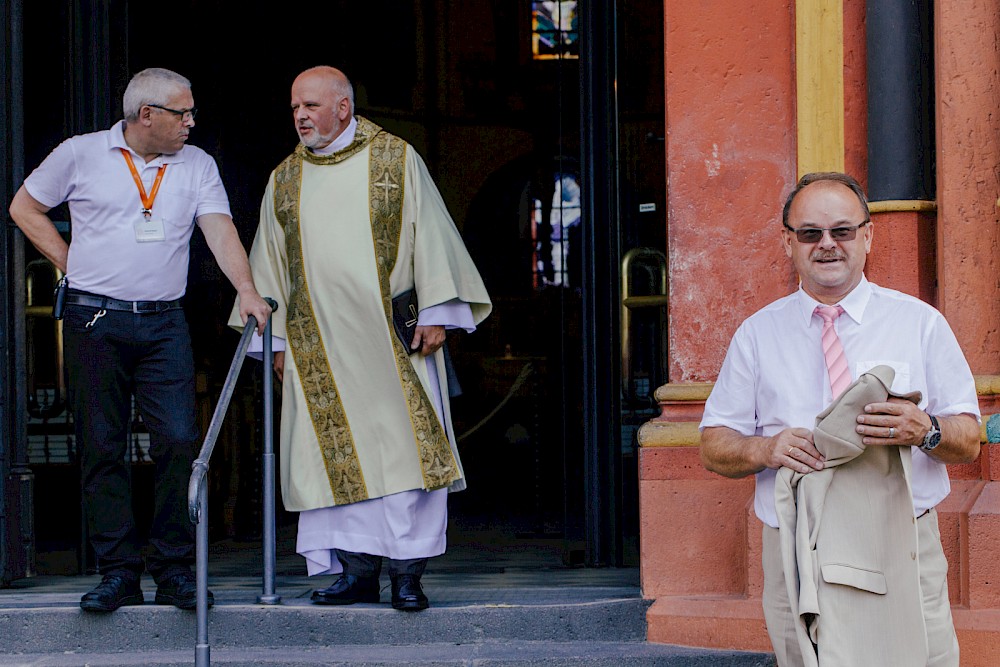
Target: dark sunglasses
x=815, y=234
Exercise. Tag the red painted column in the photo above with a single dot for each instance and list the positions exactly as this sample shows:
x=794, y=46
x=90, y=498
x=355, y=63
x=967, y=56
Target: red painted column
x=968, y=258
x=968, y=175
x=730, y=144
x=903, y=253
x=731, y=160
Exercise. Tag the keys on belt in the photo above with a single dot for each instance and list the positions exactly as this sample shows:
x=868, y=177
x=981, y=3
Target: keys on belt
x=98, y=315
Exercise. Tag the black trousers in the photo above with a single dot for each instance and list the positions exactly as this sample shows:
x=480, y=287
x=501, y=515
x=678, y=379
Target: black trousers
x=149, y=355
x=367, y=565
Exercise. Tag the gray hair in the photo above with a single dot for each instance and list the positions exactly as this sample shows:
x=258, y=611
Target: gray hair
x=345, y=89
x=836, y=177
x=151, y=86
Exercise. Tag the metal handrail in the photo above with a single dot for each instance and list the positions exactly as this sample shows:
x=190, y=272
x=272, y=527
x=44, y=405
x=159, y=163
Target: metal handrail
x=198, y=490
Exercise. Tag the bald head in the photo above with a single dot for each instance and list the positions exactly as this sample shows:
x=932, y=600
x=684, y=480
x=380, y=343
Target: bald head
x=322, y=105
x=330, y=76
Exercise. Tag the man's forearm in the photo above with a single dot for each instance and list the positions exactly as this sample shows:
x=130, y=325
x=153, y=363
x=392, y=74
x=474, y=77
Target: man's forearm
x=959, y=439
x=730, y=453
x=32, y=219
x=224, y=242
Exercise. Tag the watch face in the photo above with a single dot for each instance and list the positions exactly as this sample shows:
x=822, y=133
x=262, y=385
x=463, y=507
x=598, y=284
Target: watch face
x=932, y=439
x=933, y=436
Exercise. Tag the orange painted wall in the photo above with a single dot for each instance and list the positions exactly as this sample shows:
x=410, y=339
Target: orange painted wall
x=730, y=100
x=730, y=141
x=968, y=171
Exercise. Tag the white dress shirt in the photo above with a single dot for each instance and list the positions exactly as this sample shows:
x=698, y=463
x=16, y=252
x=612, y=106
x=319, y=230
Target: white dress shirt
x=774, y=376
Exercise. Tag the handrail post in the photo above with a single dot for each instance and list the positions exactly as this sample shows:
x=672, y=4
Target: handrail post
x=198, y=484
x=202, y=650
x=268, y=596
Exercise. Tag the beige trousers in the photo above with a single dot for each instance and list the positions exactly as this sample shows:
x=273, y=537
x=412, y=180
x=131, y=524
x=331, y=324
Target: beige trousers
x=942, y=644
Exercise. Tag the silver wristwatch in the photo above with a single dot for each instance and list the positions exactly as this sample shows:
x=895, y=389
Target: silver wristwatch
x=933, y=437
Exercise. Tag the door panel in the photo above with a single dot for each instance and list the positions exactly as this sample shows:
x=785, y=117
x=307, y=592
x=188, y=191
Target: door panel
x=501, y=132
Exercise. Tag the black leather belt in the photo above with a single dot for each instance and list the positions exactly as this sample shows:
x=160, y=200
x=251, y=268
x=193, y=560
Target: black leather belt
x=106, y=302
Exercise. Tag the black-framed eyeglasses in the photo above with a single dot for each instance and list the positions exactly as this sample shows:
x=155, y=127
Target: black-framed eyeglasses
x=185, y=114
x=815, y=234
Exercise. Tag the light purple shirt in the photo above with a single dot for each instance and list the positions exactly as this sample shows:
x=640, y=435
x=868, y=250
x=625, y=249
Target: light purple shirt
x=90, y=174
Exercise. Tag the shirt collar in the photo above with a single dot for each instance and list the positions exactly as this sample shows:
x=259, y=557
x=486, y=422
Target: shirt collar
x=342, y=141
x=116, y=141
x=854, y=304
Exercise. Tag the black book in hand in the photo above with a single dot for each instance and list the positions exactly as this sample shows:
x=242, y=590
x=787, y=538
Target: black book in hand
x=404, y=317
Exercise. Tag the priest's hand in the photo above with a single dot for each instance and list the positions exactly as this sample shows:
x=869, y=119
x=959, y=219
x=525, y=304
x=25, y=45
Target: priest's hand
x=427, y=339
x=279, y=365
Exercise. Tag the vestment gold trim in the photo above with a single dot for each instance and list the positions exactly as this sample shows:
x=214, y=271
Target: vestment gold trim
x=306, y=343
x=387, y=162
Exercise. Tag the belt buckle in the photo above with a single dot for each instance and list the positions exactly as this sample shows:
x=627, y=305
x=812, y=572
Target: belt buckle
x=139, y=307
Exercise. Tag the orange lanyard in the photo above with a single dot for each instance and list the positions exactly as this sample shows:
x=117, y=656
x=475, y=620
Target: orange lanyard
x=147, y=201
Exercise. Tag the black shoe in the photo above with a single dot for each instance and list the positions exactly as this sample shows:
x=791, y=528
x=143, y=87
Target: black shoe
x=348, y=589
x=114, y=591
x=180, y=590
x=407, y=594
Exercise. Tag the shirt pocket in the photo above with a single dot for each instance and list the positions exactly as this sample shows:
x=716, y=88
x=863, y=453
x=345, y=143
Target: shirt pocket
x=179, y=205
x=900, y=383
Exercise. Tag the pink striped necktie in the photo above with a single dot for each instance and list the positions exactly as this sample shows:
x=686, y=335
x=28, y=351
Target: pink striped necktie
x=836, y=360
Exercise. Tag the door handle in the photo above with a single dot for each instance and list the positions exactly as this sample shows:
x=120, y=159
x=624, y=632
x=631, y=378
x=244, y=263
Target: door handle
x=655, y=263
x=40, y=310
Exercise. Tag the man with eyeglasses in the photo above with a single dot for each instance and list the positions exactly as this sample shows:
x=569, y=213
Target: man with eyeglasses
x=350, y=222
x=779, y=374
x=135, y=193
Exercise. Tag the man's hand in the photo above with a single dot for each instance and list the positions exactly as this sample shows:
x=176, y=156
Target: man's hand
x=897, y=421
x=900, y=422
x=279, y=365
x=730, y=453
x=793, y=448
x=252, y=303
x=427, y=339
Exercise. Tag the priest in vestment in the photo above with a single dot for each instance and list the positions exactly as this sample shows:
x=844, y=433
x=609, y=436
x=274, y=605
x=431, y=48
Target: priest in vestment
x=350, y=220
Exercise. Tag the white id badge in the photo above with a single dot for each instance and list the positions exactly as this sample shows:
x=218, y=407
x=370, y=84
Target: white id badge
x=149, y=230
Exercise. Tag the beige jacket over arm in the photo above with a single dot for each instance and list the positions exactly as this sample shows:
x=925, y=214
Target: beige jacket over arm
x=849, y=542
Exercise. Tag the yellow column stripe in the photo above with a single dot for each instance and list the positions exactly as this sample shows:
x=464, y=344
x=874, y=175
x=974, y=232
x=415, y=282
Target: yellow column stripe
x=898, y=205
x=819, y=80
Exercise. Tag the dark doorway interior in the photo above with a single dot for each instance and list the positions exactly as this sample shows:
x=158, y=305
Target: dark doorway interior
x=500, y=130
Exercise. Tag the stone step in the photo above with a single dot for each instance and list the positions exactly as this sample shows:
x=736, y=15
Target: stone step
x=482, y=654
x=300, y=623
x=503, y=619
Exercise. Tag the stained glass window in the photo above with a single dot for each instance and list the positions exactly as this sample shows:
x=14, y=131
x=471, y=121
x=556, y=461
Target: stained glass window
x=554, y=31
x=552, y=238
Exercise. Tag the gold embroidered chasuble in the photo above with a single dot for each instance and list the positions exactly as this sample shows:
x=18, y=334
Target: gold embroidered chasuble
x=339, y=236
